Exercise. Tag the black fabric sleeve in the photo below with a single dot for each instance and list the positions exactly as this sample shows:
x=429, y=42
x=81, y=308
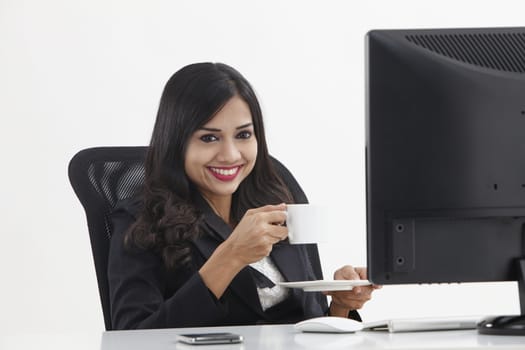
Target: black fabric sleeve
x=353, y=314
x=137, y=286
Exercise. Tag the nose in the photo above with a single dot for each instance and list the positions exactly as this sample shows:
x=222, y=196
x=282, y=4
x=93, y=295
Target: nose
x=229, y=152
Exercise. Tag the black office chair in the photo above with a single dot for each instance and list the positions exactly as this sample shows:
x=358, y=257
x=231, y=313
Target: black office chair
x=102, y=176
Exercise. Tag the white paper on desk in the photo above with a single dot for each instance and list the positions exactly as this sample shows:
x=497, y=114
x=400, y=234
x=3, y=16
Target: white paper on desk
x=423, y=324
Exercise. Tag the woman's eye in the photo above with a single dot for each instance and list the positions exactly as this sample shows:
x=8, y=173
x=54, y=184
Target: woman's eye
x=208, y=138
x=244, y=135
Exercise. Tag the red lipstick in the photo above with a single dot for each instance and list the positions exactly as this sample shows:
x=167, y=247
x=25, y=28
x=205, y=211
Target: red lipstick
x=225, y=173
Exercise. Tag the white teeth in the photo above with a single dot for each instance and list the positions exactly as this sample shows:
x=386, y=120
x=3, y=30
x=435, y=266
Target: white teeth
x=225, y=172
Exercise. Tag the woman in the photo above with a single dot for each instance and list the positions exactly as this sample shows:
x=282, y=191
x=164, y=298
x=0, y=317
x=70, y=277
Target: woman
x=202, y=245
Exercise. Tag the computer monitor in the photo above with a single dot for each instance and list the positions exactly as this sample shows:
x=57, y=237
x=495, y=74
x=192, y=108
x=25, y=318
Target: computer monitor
x=445, y=158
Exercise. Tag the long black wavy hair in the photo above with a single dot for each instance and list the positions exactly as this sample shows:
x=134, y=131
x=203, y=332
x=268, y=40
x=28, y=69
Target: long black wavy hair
x=169, y=221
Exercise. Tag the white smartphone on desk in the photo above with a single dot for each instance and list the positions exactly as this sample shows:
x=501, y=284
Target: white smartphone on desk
x=210, y=338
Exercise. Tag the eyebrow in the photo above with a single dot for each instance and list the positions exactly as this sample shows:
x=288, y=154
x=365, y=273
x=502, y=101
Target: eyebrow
x=218, y=130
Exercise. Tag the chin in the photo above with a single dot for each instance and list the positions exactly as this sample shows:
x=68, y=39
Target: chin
x=222, y=189
x=227, y=192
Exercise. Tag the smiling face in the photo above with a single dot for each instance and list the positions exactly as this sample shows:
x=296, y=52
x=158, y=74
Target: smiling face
x=222, y=153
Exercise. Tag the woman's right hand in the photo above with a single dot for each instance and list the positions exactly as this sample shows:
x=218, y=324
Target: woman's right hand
x=252, y=240
x=257, y=232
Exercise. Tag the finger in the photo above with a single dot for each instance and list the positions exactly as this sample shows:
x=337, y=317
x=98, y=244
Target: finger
x=364, y=294
x=265, y=245
x=266, y=208
x=274, y=216
x=362, y=272
x=350, y=273
x=278, y=232
x=269, y=250
x=346, y=273
x=271, y=240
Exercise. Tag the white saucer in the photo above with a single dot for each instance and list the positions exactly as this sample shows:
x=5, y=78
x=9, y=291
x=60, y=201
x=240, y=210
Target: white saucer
x=325, y=285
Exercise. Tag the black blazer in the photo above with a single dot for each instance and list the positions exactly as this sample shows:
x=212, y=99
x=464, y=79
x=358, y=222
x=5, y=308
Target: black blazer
x=144, y=294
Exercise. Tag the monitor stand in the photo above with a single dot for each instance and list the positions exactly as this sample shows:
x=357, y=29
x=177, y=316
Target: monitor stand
x=508, y=325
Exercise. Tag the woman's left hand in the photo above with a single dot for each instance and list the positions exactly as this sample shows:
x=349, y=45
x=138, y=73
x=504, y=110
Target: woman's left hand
x=344, y=301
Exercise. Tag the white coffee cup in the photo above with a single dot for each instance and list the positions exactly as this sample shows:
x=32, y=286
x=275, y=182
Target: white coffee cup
x=305, y=223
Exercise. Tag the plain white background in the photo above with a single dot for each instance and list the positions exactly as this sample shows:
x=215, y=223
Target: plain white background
x=76, y=74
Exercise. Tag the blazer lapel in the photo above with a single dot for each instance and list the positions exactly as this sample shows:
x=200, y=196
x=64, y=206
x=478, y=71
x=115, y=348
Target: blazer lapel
x=293, y=262
x=289, y=259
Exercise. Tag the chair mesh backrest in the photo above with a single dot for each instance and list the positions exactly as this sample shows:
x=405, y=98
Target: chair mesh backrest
x=102, y=176
x=114, y=181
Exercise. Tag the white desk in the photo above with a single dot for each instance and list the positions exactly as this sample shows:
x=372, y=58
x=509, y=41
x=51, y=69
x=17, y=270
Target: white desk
x=285, y=337
x=282, y=337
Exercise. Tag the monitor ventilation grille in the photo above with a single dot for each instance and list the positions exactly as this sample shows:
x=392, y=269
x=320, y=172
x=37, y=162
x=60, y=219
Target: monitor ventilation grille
x=500, y=51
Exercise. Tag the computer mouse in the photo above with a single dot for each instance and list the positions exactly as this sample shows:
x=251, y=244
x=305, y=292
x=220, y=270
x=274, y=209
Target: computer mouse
x=329, y=324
